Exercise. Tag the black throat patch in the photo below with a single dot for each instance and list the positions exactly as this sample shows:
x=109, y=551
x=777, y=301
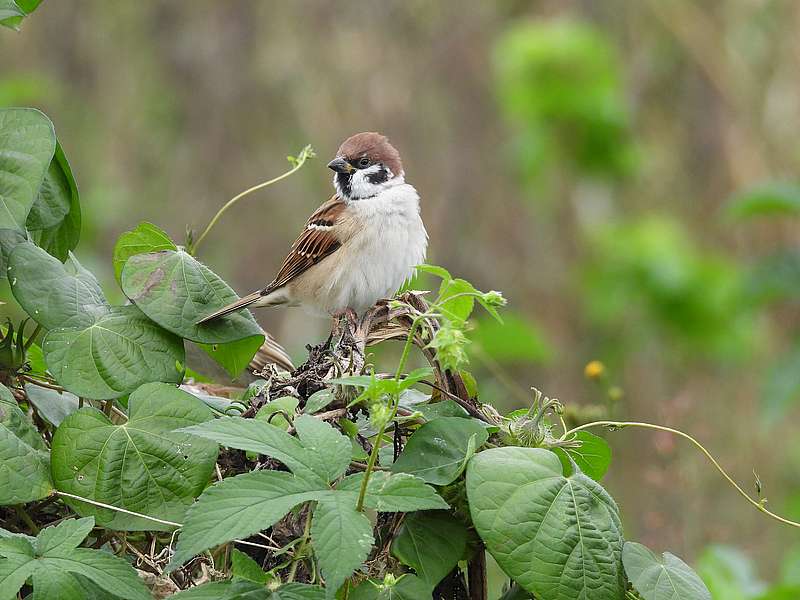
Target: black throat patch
x=379, y=176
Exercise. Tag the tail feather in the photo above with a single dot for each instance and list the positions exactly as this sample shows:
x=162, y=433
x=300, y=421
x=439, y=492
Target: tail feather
x=233, y=307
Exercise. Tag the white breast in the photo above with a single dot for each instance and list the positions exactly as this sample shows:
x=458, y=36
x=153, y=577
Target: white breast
x=386, y=241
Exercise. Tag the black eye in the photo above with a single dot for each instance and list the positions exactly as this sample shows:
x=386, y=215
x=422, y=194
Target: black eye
x=363, y=162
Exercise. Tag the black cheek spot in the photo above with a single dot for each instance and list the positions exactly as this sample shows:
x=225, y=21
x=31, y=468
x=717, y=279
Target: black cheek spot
x=379, y=176
x=345, y=183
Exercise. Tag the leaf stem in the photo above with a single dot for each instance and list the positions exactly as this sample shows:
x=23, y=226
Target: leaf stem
x=301, y=548
x=305, y=154
x=373, y=456
x=758, y=505
x=26, y=518
x=32, y=337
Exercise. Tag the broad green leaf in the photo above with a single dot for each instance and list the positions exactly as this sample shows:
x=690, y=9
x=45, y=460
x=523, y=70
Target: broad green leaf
x=318, y=400
x=238, y=507
x=406, y=587
x=664, y=577
x=437, y=451
x=729, y=574
x=52, y=293
x=55, y=218
x=51, y=584
x=9, y=239
x=17, y=563
x=24, y=463
x=443, y=408
x=558, y=537
x=52, y=405
x=27, y=143
x=318, y=455
x=234, y=356
x=175, y=290
x=440, y=272
x=327, y=448
x=342, y=539
x=298, y=591
x=111, y=573
x=144, y=238
x=64, y=536
x=114, y=355
x=244, y=567
x=393, y=492
x=431, y=543
x=593, y=457
x=141, y=465
x=776, y=198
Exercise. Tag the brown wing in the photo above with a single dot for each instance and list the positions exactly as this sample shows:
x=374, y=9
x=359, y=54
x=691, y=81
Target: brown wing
x=317, y=241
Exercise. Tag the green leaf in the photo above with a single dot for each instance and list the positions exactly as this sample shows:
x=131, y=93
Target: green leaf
x=342, y=539
x=729, y=574
x=238, y=507
x=407, y=587
x=55, y=218
x=109, y=572
x=64, y=536
x=431, y=543
x=452, y=304
x=244, y=567
x=273, y=412
x=443, y=408
x=318, y=400
x=24, y=463
x=12, y=13
x=144, y=238
x=52, y=405
x=593, y=457
x=120, y=351
x=52, y=293
x=27, y=143
x=234, y=356
x=768, y=199
x=440, y=272
x=50, y=584
x=393, y=492
x=246, y=590
x=664, y=577
x=9, y=239
x=175, y=290
x=437, y=452
x=141, y=465
x=558, y=537
x=320, y=452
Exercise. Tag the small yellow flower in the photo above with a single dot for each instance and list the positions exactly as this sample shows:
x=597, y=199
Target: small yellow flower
x=594, y=370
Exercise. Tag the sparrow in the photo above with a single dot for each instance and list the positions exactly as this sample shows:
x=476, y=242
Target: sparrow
x=359, y=246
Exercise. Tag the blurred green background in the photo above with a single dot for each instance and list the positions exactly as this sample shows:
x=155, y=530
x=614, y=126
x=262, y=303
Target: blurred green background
x=624, y=171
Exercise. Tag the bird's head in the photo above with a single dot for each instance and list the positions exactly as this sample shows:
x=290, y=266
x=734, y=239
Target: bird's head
x=365, y=164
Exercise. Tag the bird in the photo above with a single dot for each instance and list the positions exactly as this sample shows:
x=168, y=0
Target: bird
x=356, y=248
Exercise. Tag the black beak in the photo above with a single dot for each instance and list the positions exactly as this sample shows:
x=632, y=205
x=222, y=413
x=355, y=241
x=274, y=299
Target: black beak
x=340, y=165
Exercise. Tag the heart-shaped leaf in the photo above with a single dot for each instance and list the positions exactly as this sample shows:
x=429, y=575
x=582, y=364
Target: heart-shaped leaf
x=55, y=218
x=593, y=456
x=141, y=465
x=54, y=294
x=431, y=543
x=175, y=290
x=144, y=238
x=112, y=356
x=439, y=450
x=27, y=143
x=558, y=537
x=52, y=405
x=664, y=577
x=24, y=463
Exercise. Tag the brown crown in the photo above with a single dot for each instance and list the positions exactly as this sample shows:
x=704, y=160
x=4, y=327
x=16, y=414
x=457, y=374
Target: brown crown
x=374, y=146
